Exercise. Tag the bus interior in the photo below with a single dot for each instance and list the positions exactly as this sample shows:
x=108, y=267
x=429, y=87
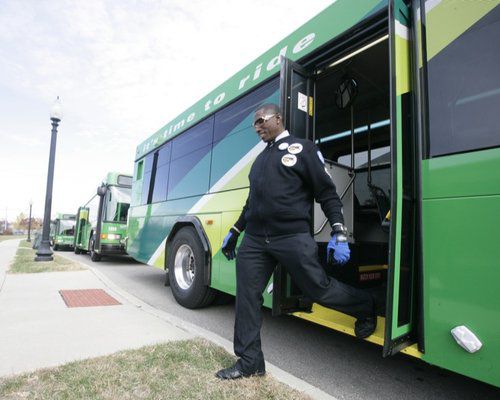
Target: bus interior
x=352, y=130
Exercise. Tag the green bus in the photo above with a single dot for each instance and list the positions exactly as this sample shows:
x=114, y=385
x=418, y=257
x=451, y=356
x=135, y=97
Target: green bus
x=63, y=235
x=402, y=99
x=101, y=227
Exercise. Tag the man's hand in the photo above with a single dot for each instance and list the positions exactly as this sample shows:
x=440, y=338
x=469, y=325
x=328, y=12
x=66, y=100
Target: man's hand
x=229, y=244
x=337, y=251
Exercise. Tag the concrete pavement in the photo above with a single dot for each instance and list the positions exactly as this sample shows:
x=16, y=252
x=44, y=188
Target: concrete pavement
x=38, y=329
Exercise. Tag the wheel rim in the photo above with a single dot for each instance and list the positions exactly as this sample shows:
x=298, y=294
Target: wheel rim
x=184, y=265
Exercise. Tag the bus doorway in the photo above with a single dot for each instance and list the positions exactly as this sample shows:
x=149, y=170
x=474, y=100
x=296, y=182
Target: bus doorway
x=347, y=107
x=352, y=131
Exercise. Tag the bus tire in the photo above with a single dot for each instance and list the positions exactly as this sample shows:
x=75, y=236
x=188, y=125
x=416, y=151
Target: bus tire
x=94, y=256
x=77, y=250
x=55, y=247
x=186, y=264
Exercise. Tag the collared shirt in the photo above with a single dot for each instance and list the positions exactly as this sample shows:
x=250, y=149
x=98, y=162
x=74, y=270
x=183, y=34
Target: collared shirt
x=282, y=135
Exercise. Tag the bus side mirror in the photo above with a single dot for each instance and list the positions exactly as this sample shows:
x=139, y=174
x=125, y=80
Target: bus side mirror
x=101, y=191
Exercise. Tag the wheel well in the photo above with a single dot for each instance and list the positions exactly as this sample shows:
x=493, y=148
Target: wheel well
x=195, y=223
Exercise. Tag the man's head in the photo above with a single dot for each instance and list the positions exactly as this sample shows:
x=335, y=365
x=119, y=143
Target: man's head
x=268, y=122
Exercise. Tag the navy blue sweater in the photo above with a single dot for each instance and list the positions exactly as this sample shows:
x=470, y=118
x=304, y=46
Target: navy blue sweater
x=284, y=181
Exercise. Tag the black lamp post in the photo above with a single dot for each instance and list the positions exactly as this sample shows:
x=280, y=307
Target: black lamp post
x=44, y=252
x=29, y=223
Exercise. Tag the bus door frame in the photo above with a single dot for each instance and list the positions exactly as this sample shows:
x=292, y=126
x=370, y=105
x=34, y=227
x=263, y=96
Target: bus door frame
x=80, y=227
x=296, y=93
x=400, y=332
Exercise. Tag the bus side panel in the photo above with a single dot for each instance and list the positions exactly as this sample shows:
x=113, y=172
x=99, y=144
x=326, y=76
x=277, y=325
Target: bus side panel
x=461, y=266
x=149, y=225
x=461, y=187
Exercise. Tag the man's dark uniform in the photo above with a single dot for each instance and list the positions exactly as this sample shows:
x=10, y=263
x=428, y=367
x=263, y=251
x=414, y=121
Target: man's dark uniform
x=285, y=179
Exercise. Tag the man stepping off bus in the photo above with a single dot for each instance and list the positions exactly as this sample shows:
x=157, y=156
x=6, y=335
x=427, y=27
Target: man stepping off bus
x=285, y=178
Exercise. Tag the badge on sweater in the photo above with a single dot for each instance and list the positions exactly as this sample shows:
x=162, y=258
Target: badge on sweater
x=283, y=146
x=289, y=160
x=295, y=148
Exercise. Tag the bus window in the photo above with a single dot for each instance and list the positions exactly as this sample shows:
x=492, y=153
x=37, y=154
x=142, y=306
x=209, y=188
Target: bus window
x=146, y=181
x=464, y=91
x=234, y=135
x=239, y=115
x=117, y=205
x=161, y=173
x=190, y=161
x=193, y=139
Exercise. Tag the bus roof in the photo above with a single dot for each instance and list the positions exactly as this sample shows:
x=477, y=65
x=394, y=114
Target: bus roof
x=118, y=179
x=331, y=22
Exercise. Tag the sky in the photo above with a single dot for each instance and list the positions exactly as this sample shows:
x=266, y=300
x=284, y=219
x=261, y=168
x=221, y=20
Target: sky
x=123, y=69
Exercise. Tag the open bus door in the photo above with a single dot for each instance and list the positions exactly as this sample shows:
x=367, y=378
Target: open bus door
x=296, y=102
x=402, y=307
x=81, y=226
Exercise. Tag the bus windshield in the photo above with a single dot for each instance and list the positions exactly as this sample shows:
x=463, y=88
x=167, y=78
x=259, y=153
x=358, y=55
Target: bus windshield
x=117, y=205
x=66, y=227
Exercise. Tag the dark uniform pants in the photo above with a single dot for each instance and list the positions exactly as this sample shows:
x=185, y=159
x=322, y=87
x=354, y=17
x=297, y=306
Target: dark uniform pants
x=298, y=253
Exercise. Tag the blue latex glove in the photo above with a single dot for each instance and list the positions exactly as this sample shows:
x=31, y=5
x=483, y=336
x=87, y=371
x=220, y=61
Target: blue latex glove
x=337, y=251
x=229, y=244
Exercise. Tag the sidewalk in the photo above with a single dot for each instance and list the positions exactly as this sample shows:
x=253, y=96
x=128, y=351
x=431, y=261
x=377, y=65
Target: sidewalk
x=39, y=330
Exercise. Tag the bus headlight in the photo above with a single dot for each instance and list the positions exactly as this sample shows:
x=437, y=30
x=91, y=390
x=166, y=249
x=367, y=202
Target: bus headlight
x=111, y=236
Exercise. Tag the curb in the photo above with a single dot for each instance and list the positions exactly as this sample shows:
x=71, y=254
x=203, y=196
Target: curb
x=281, y=375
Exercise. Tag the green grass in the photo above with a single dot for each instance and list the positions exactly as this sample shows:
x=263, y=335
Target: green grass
x=175, y=370
x=25, y=243
x=11, y=237
x=24, y=262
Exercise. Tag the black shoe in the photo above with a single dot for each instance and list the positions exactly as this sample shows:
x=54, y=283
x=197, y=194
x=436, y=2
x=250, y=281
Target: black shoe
x=364, y=327
x=235, y=373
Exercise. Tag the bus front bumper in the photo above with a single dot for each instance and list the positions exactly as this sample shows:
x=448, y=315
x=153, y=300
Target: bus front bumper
x=107, y=248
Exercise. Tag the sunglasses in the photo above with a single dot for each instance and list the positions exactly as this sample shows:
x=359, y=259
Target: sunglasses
x=263, y=120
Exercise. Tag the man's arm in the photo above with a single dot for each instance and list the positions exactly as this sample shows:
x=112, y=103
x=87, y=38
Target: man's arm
x=241, y=223
x=229, y=243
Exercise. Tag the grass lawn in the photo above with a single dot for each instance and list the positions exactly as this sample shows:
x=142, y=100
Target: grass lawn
x=24, y=262
x=175, y=370
x=10, y=237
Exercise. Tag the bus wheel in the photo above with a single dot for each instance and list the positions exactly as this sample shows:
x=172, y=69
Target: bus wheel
x=186, y=264
x=93, y=255
x=55, y=247
x=76, y=250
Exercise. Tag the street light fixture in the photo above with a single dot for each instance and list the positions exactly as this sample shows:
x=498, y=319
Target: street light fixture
x=44, y=252
x=29, y=222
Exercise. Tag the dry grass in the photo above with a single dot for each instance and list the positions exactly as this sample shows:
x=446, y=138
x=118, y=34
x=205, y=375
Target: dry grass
x=24, y=262
x=175, y=370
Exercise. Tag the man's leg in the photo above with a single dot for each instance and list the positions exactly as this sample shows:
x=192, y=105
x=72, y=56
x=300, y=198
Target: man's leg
x=299, y=255
x=254, y=267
